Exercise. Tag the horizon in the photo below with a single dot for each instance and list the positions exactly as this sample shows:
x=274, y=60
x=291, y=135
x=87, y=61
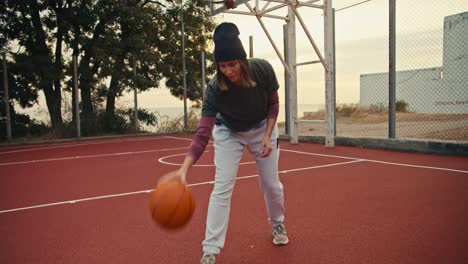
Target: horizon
x=361, y=48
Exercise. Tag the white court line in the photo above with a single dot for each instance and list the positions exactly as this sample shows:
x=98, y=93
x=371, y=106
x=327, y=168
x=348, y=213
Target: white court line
x=322, y=166
x=377, y=161
x=316, y=154
x=73, y=201
x=354, y=160
x=90, y=156
x=369, y=160
x=415, y=166
x=67, y=145
x=189, y=139
x=161, y=160
x=79, y=144
x=150, y=190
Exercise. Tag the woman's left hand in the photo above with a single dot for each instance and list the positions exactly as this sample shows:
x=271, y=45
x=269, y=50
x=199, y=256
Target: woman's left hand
x=266, y=147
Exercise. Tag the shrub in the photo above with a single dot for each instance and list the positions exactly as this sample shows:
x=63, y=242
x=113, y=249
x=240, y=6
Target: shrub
x=22, y=126
x=378, y=108
x=123, y=120
x=347, y=110
x=402, y=106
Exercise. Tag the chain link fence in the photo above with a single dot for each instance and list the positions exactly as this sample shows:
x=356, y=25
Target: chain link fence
x=431, y=71
x=431, y=81
x=33, y=123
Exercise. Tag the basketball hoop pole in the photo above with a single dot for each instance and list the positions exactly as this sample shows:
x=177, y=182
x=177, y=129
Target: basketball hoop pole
x=289, y=62
x=329, y=75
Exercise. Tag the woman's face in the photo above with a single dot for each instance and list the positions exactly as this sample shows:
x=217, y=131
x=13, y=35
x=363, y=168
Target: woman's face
x=232, y=70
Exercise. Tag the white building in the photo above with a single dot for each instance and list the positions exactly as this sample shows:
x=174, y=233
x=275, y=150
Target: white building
x=431, y=90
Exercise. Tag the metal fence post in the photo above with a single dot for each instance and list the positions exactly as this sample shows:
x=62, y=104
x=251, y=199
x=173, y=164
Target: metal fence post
x=334, y=71
x=203, y=75
x=183, y=66
x=6, y=98
x=391, y=71
x=76, y=94
x=251, y=51
x=135, y=97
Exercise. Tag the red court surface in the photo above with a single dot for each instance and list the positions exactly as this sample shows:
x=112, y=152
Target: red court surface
x=88, y=202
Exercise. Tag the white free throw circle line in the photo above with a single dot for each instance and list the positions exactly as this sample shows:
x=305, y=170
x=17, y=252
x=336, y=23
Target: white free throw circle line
x=162, y=160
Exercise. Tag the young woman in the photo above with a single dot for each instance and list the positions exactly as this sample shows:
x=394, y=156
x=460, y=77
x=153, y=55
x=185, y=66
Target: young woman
x=241, y=104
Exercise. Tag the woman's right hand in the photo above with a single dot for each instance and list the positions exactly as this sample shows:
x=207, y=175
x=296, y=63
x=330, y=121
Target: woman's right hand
x=179, y=174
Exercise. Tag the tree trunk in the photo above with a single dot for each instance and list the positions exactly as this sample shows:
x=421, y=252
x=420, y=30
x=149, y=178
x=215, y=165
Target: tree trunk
x=114, y=86
x=58, y=61
x=86, y=81
x=41, y=58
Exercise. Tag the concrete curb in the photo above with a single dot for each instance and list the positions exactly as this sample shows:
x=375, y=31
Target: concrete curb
x=429, y=147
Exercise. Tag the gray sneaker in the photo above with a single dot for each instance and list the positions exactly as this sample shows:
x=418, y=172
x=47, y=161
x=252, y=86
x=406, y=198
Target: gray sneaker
x=208, y=259
x=280, y=237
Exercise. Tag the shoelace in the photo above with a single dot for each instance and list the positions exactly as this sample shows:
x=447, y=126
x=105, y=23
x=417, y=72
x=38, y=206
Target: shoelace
x=209, y=258
x=280, y=230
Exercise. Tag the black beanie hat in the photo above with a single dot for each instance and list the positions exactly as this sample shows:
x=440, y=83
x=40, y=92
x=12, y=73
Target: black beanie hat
x=227, y=44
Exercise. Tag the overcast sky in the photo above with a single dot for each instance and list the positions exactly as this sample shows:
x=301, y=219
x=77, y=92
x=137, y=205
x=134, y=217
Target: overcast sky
x=361, y=44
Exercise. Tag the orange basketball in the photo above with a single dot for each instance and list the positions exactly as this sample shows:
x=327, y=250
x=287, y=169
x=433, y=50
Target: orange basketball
x=172, y=204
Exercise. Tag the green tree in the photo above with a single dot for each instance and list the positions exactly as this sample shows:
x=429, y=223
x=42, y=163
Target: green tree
x=106, y=36
x=198, y=37
x=29, y=26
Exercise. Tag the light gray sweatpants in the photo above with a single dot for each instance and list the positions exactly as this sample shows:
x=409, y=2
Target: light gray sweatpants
x=229, y=147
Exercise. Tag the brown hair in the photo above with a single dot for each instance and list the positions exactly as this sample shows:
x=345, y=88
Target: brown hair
x=246, y=71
